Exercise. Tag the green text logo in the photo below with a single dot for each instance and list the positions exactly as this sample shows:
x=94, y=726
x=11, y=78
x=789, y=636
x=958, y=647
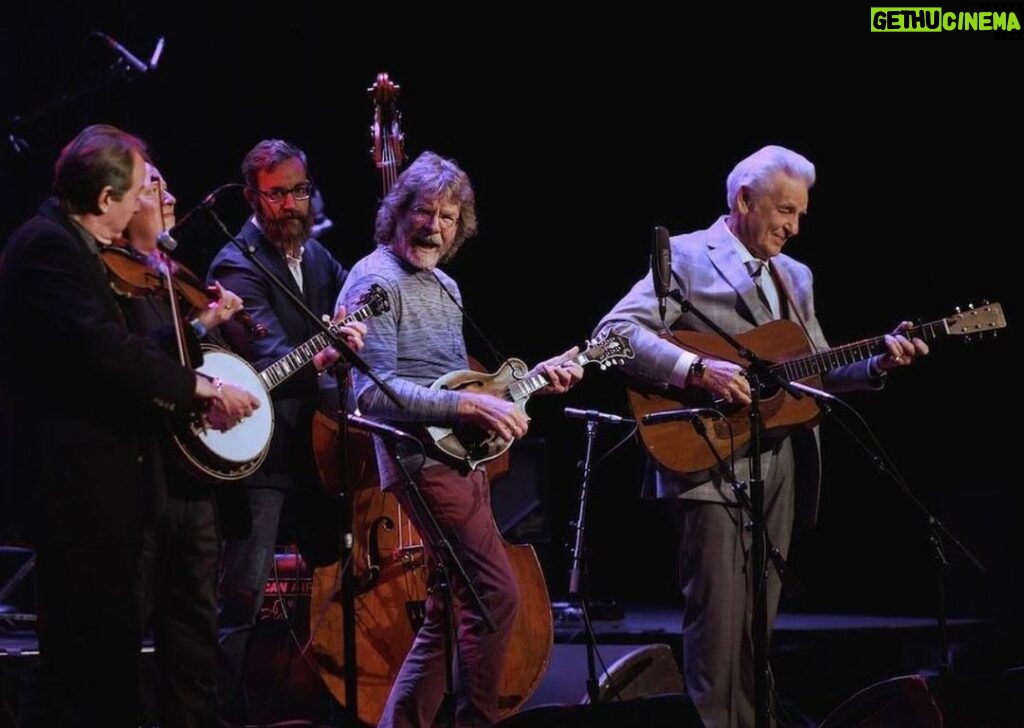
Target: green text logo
x=934, y=20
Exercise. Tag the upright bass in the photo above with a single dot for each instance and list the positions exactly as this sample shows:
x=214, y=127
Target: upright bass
x=388, y=557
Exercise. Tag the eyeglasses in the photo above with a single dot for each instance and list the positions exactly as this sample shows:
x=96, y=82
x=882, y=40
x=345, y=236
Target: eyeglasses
x=299, y=192
x=445, y=221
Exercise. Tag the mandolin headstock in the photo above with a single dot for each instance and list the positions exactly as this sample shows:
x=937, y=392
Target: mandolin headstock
x=611, y=349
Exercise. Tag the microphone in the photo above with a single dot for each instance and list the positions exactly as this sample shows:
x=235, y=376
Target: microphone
x=205, y=204
x=595, y=416
x=379, y=428
x=811, y=391
x=166, y=242
x=661, y=266
x=656, y=418
x=126, y=54
x=158, y=50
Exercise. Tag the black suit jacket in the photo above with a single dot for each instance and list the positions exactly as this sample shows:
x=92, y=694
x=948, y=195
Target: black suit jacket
x=290, y=457
x=78, y=393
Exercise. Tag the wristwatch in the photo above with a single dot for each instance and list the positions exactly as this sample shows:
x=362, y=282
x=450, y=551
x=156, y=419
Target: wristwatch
x=696, y=370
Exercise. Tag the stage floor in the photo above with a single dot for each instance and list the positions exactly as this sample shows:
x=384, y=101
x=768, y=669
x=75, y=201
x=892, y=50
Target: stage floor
x=818, y=660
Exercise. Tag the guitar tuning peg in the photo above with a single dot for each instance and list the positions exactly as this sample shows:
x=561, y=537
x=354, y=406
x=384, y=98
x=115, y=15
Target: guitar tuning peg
x=984, y=302
x=957, y=309
x=970, y=306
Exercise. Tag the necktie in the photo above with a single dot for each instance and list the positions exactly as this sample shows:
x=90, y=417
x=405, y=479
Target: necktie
x=765, y=285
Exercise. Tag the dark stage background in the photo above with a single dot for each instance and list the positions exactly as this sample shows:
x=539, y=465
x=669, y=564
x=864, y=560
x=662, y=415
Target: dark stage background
x=578, y=143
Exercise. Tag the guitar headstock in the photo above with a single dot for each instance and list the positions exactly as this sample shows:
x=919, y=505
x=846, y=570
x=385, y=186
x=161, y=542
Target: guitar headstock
x=611, y=349
x=372, y=303
x=976, y=321
x=375, y=300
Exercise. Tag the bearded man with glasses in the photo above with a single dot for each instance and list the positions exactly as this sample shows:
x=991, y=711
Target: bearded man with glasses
x=284, y=495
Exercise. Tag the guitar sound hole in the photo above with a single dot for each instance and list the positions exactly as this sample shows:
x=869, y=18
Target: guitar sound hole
x=474, y=438
x=730, y=408
x=768, y=390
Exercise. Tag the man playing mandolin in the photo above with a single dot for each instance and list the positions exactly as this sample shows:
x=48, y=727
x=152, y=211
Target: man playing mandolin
x=422, y=222
x=735, y=274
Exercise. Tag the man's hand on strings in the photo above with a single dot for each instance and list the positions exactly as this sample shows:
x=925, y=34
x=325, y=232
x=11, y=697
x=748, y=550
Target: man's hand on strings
x=562, y=372
x=901, y=350
x=353, y=334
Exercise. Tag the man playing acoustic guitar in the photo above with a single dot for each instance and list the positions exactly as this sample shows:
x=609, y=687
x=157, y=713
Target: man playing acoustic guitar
x=736, y=275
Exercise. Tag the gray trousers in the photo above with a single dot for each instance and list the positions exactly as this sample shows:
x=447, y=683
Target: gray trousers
x=717, y=584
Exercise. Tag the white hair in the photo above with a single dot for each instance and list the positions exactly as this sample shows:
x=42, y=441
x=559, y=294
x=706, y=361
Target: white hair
x=757, y=170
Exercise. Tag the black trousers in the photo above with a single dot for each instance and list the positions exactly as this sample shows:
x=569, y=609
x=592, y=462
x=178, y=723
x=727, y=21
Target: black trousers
x=89, y=638
x=177, y=594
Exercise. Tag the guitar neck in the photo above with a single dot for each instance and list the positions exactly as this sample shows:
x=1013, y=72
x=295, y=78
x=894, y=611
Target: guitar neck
x=303, y=354
x=824, y=361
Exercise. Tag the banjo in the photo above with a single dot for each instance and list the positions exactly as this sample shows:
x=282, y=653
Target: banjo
x=216, y=456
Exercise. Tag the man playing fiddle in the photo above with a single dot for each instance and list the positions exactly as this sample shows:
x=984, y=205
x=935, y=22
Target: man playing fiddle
x=177, y=586
x=79, y=394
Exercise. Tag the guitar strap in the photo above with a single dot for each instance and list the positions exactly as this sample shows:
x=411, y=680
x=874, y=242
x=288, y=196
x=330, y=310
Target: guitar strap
x=790, y=304
x=499, y=357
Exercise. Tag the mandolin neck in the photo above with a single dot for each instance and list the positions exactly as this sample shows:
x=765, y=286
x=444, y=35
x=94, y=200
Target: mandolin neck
x=523, y=388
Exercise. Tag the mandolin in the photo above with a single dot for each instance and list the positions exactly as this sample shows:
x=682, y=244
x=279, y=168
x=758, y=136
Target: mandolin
x=469, y=444
x=389, y=562
x=678, y=446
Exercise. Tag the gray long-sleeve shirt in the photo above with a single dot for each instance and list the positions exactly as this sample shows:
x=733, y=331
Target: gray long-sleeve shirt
x=408, y=347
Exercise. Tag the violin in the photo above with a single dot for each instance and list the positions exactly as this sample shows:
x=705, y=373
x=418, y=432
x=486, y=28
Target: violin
x=135, y=275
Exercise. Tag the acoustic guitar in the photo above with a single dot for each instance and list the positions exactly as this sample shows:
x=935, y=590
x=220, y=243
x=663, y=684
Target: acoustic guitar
x=678, y=446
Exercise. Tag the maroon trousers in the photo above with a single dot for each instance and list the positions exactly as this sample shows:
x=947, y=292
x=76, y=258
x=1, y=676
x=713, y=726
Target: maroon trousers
x=461, y=506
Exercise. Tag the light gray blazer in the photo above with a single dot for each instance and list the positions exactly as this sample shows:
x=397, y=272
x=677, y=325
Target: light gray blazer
x=709, y=273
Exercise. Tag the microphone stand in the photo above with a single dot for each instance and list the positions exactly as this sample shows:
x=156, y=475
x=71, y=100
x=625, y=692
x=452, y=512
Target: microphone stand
x=447, y=563
x=575, y=593
x=936, y=528
x=758, y=373
x=348, y=358
x=347, y=546
x=740, y=493
x=119, y=70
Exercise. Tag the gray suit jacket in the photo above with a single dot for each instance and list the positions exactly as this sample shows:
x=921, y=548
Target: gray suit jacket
x=711, y=275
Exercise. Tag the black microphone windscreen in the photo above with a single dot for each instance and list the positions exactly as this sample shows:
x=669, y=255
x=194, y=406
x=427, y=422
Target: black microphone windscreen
x=166, y=242
x=661, y=261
